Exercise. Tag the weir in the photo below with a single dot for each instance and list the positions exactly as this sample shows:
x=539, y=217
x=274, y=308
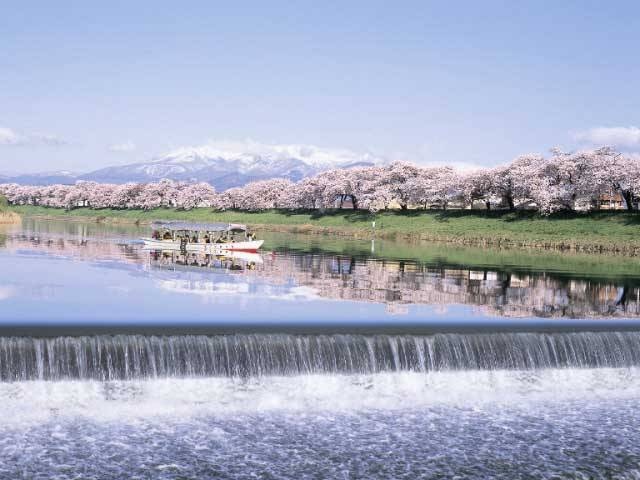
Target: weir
x=121, y=357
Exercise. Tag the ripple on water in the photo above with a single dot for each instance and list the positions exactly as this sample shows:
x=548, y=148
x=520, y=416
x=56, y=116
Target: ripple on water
x=573, y=440
x=501, y=424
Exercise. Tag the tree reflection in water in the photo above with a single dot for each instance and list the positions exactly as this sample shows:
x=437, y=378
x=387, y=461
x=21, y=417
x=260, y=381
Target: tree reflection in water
x=401, y=283
x=512, y=292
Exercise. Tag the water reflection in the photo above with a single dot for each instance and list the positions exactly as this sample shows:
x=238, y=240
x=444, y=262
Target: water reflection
x=232, y=261
x=400, y=283
x=515, y=291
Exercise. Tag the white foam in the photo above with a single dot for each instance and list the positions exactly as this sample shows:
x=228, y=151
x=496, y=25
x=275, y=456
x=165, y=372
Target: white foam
x=41, y=401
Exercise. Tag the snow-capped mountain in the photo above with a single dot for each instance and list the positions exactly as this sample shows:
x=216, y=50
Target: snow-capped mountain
x=225, y=165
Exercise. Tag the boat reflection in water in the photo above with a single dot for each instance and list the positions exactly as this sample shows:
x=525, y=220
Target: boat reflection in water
x=237, y=276
x=229, y=261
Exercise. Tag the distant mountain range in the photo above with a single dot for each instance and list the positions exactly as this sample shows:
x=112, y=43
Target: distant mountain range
x=43, y=178
x=221, y=167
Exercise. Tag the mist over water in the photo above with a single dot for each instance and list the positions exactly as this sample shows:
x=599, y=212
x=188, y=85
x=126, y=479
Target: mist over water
x=481, y=403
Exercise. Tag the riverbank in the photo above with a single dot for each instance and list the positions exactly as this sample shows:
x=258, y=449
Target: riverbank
x=9, y=218
x=595, y=232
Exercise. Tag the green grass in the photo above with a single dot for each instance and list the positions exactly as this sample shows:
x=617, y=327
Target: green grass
x=607, y=231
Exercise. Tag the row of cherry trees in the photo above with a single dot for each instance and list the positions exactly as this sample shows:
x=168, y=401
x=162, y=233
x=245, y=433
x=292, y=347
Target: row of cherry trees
x=561, y=181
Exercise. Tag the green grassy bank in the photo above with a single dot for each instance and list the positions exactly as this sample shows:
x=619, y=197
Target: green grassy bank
x=592, y=232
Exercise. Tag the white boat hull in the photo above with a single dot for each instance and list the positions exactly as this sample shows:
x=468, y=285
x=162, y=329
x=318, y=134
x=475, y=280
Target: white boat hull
x=205, y=248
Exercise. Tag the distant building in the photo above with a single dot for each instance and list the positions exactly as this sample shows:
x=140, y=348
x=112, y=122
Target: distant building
x=609, y=201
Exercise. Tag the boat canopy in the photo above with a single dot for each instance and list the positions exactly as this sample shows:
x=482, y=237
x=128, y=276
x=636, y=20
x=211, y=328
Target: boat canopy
x=200, y=227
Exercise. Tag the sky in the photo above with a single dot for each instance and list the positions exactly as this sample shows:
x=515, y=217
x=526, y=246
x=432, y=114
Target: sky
x=90, y=84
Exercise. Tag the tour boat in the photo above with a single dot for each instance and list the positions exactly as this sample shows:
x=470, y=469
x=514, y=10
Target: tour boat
x=207, y=238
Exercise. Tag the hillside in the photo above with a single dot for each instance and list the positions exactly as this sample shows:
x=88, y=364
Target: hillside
x=223, y=166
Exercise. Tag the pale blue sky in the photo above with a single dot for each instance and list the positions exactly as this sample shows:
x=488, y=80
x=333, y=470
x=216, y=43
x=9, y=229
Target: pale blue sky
x=440, y=82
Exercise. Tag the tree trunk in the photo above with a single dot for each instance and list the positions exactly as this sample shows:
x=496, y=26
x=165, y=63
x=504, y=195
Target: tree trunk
x=354, y=201
x=628, y=199
x=510, y=202
x=488, y=204
x=403, y=206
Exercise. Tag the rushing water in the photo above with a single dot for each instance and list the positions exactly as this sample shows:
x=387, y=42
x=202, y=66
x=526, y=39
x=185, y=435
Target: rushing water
x=318, y=358
x=126, y=357
x=571, y=424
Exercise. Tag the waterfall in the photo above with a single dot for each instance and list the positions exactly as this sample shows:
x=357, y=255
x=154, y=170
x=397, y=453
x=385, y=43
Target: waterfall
x=112, y=357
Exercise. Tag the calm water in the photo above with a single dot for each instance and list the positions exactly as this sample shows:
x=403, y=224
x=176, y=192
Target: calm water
x=319, y=358
x=93, y=275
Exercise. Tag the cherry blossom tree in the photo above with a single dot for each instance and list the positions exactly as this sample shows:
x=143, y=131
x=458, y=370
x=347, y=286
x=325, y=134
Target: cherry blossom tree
x=618, y=173
x=160, y=194
x=517, y=182
x=260, y=195
x=562, y=181
x=478, y=185
x=231, y=198
x=196, y=195
x=308, y=193
x=435, y=186
x=398, y=179
x=355, y=184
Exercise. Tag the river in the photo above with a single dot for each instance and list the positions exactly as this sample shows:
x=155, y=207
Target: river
x=318, y=358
